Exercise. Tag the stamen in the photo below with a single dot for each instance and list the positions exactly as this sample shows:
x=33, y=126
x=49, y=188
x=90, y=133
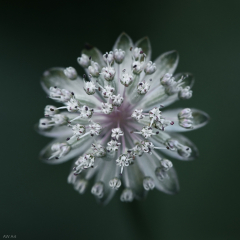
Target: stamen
x=60, y=150
x=116, y=133
x=98, y=150
x=137, y=114
x=123, y=161
x=112, y=146
x=83, y=162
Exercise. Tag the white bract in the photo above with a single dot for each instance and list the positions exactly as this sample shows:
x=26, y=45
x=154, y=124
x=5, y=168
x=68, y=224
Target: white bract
x=113, y=120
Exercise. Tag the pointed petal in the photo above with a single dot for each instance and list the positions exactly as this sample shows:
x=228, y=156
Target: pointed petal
x=56, y=77
x=77, y=150
x=60, y=131
x=133, y=178
x=188, y=81
x=165, y=63
x=105, y=174
x=169, y=185
x=145, y=45
x=157, y=95
x=159, y=140
x=55, y=132
x=124, y=42
x=200, y=119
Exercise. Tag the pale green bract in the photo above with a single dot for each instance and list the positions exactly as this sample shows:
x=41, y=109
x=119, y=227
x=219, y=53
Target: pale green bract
x=113, y=122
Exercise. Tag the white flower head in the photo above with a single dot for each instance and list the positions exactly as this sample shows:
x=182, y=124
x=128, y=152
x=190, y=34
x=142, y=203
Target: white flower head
x=115, y=125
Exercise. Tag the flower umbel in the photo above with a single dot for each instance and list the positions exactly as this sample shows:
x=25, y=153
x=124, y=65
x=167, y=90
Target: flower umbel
x=113, y=122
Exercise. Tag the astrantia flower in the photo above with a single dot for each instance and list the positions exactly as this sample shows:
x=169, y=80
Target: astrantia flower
x=113, y=122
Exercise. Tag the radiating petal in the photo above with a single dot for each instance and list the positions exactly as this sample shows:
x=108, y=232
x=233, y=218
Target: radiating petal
x=169, y=185
x=188, y=81
x=124, y=42
x=165, y=63
x=145, y=45
x=157, y=96
x=158, y=140
x=61, y=131
x=133, y=178
x=56, y=77
x=199, y=119
x=78, y=148
x=105, y=174
x=55, y=132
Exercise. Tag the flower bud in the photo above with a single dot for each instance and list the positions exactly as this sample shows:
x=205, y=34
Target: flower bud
x=166, y=79
x=160, y=173
x=108, y=73
x=94, y=69
x=89, y=88
x=185, y=93
x=127, y=195
x=115, y=183
x=137, y=53
x=166, y=164
x=83, y=61
x=108, y=57
x=70, y=73
x=50, y=110
x=119, y=55
x=80, y=185
x=148, y=183
x=98, y=189
x=150, y=68
x=186, y=123
x=126, y=79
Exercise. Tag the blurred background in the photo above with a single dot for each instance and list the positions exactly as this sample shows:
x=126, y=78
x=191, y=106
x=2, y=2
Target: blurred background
x=36, y=201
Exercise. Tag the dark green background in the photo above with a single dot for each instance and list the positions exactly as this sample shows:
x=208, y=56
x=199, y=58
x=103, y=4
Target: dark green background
x=36, y=201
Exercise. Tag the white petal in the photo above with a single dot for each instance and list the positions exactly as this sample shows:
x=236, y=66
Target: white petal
x=105, y=174
x=133, y=178
x=145, y=45
x=158, y=140
x=165, y=63
x=169, y=185
x=200, y=119
x=47, y=152
x=56, y=77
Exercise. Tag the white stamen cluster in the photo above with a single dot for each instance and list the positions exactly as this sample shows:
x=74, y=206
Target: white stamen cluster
x=113, y=102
